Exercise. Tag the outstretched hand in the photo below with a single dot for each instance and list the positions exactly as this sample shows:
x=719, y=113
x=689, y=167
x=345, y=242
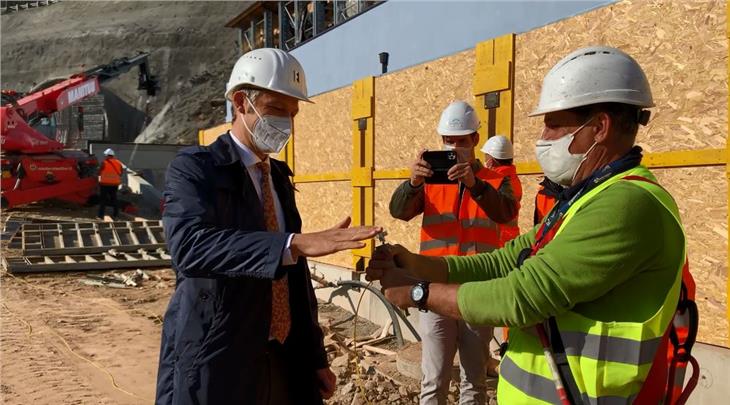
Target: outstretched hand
x=338, y=238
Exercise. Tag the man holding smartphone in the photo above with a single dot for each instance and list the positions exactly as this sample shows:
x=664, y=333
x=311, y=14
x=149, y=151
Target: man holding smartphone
x=461, y=217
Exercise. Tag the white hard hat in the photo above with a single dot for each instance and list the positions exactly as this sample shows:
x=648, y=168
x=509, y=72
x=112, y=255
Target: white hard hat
x=597, y=74
x=109, y=152
x=498, y=147
x=269, y=69
x=459, y=118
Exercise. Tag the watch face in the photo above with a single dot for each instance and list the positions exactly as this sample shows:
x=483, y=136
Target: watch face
x=417, y=293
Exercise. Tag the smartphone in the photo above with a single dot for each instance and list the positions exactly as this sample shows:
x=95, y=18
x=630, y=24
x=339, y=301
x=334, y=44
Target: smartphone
x=441, y=161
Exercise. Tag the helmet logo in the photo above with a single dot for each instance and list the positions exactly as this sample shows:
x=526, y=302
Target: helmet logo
x=455, y=123
x=296, y=76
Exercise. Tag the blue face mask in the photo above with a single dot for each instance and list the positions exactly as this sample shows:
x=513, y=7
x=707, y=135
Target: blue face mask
x=270, y=133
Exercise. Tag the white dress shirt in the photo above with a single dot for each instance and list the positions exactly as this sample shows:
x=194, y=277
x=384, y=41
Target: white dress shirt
x=250, y=160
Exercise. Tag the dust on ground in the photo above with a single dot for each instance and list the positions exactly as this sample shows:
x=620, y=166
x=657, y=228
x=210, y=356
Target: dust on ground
x=65, y=342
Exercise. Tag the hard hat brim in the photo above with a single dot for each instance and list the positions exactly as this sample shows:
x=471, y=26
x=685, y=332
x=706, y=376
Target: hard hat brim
x=460, y=132
x=568, y=106
x=229, y=93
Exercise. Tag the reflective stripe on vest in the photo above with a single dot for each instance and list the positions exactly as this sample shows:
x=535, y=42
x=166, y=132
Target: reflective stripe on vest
x=110, y=173
x=444, y=243
x=609, y=360
x=436, y=219
x=454, y=226
x=478, y=222
x=542, y=389
x=472, y=248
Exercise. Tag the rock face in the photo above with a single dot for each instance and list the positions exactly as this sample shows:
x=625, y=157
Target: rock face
x=191, y=53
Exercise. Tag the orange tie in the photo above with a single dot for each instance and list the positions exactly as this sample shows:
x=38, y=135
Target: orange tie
x=280, y=311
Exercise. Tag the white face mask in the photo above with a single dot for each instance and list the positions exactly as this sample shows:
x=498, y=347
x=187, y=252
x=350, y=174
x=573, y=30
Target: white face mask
x=448, y=147
x=558, y=164
x=271, y=133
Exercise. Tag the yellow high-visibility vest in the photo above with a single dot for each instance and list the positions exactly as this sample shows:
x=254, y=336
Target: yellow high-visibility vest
x=609, y=360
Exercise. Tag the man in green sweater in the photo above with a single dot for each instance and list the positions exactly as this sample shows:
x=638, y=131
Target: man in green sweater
x=600, y=276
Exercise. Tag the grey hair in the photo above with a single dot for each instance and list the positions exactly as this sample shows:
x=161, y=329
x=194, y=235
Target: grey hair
x=250, y=92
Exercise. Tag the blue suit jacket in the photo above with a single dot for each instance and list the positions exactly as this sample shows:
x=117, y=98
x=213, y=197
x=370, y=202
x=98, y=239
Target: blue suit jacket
x=216, y=327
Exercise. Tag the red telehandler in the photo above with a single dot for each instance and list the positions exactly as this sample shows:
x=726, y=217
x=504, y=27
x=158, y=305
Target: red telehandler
x=35, y=167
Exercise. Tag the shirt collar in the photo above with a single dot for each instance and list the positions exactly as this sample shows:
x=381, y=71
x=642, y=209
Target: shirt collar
x=247, y=156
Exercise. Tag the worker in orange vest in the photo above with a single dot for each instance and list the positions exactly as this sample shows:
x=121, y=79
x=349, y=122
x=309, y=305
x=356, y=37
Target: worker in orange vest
x=545, y=199
x=110, y=177
x=498, y=156
x=461, y=218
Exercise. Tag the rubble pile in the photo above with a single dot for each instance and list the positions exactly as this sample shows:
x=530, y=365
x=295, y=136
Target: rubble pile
x=367, y=378
x=366, y=366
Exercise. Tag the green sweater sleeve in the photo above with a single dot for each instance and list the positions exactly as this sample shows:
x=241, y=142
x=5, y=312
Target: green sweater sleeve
x=488, y=266
x=622, y=248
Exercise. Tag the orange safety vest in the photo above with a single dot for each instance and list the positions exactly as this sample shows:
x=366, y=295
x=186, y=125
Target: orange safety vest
x=545, y=199
x=543, y=204
x=457, y=226
x=510, y=230
x=110, y=173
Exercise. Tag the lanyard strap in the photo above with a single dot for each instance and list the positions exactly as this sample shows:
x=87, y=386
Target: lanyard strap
x=573, y=194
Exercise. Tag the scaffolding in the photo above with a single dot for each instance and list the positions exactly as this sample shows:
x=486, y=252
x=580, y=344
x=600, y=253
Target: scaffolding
x=288, y=24
x=8, y=6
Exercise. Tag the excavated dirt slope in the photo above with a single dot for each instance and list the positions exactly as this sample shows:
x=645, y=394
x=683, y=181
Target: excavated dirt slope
x=191, y=52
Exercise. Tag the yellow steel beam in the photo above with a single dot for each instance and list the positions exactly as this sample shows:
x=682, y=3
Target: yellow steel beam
x=688, y=158
x=209, y=135
x=661, y=160
x=492, y=86
x=531, y=167
x=392, y=174
x=287, y=154
x=322, y=177
x=363, y=161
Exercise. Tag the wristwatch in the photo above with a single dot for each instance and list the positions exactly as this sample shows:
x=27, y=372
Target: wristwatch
x=419, y=295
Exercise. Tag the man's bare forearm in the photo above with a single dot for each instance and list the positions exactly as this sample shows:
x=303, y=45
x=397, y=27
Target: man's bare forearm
x=429, y=268
x=442, y=299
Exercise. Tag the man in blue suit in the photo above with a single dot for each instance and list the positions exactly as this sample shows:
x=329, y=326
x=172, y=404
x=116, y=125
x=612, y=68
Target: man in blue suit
x=241, y=327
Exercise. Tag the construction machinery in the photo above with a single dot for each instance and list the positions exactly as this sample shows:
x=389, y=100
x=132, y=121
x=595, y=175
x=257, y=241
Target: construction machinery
x=36, y=167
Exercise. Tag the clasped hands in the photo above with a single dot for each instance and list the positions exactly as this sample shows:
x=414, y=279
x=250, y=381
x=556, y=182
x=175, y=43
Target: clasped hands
x=393, y=266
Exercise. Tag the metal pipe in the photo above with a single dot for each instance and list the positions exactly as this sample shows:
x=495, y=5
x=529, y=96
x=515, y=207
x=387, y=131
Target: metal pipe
x=391, y=311
x=394, y=313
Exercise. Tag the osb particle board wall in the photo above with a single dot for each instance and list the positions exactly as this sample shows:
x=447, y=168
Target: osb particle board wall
x=322, y=206
x=408, y=104
x=683, y=49
x=681, y=45
x=402, y=232
x=701, y=194
x=323, y=134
